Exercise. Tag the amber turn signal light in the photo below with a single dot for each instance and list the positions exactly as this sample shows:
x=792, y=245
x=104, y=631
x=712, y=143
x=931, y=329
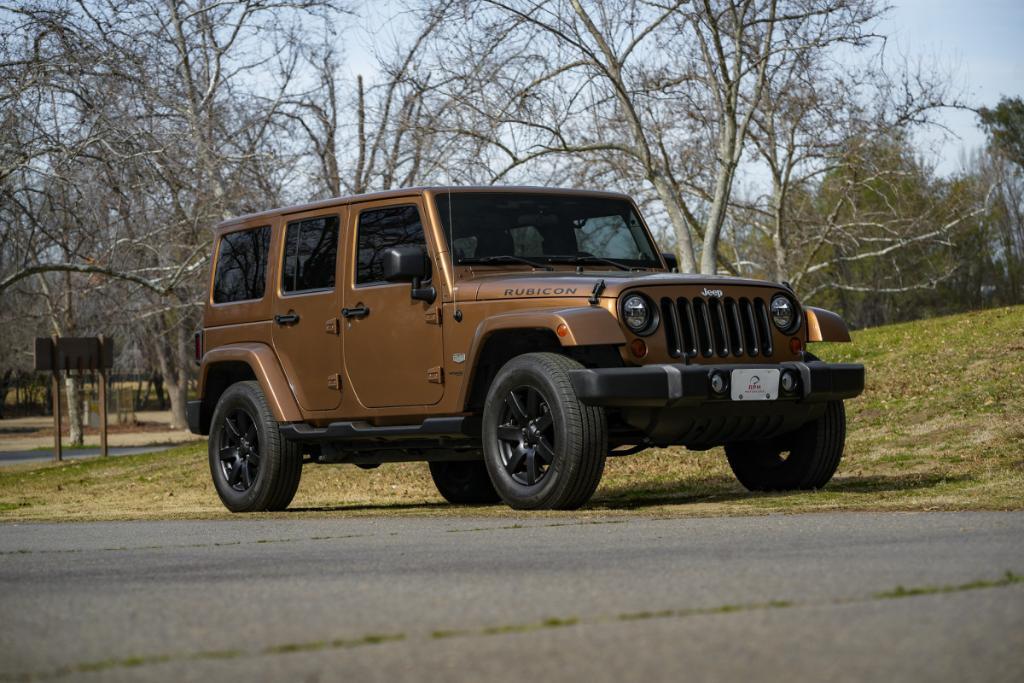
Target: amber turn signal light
x=562, y=330
x=638, y=347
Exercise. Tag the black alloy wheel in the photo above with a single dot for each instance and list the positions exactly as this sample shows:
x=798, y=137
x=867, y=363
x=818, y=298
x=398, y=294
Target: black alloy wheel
x=253, y=467
x=526, y=435
x=239, y=450
x=543, y=448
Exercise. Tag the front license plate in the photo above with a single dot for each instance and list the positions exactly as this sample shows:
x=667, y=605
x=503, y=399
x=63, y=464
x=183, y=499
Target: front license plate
x=754, y=385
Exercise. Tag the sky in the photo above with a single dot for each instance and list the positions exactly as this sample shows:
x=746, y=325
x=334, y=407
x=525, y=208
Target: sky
x=982, y=42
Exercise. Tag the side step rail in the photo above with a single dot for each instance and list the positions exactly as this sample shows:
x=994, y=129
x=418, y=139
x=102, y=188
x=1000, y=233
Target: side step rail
x=433, y=427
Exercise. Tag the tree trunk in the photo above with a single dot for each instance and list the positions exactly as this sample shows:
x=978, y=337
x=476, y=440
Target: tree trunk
x=174, y=369
x=779, y=245
x=720, y=201
x=73, y=397
x=158, y=383
x=5, y=386
x=178, y=391
x=684, y=243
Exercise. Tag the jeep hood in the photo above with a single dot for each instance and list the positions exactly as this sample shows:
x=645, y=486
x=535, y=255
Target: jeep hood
x=534, y=285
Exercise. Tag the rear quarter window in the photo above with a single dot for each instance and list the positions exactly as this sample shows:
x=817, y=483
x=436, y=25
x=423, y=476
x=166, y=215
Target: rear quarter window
x=242, y=266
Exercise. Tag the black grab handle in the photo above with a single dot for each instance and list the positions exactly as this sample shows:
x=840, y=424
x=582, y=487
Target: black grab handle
x=287, y=319
x=357, y=312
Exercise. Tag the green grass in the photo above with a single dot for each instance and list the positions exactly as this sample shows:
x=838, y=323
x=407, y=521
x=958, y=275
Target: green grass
x=1008, y=579
x=938, y=428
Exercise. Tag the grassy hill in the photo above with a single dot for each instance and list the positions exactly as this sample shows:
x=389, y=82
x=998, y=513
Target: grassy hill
x=940, y=427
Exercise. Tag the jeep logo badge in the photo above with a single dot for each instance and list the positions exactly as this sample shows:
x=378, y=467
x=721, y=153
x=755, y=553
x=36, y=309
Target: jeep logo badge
x=712, y=292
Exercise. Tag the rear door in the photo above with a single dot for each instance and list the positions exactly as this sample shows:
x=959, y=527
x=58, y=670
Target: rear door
x=306, y=325
x=393, y=344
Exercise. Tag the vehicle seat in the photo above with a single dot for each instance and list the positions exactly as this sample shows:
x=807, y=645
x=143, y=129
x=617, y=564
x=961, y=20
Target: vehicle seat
x=494, y=241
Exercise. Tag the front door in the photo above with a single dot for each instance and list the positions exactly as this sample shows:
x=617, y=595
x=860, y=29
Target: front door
x=306, y=324
x=393, y=344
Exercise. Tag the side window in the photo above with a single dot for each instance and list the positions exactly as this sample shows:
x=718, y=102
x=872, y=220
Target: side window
x=242, y=266
x=380, y=229
x=310, y=254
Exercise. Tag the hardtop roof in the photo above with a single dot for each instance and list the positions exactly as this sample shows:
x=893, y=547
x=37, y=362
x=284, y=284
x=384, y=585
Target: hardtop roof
x=408, y=192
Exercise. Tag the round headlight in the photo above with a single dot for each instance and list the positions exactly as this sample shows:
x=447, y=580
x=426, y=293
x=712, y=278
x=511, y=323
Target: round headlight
x=636, y=313
x=784, y=313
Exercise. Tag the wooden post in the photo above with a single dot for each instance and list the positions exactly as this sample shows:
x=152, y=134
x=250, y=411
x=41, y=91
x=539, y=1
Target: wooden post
x=57, y=455
x=103, y=406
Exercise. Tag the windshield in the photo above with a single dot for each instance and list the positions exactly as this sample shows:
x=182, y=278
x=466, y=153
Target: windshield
x=540, y=229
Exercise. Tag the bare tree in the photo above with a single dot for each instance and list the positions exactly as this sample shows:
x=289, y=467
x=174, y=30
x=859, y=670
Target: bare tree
x=382, y=132
x=660, y=93
x=164, y=104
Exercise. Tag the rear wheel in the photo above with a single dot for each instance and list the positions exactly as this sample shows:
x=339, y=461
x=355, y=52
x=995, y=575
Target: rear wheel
x=804, y=459
x=544, y=449
x=253, y=467
x=464, y=482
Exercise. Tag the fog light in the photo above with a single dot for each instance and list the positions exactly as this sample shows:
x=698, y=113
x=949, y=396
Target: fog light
x=638, y=347
x=788, y=381
x=718, y=383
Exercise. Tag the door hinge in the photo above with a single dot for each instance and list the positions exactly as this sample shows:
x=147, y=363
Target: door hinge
x=334, y=381
x=331, y=326
x=433, y=316
x=435, y=375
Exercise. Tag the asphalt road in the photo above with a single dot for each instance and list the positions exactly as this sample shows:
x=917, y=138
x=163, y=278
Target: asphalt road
x=808, y=597
x=36, y=455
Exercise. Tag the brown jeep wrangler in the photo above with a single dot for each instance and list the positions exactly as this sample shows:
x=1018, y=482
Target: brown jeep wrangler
x=513, y=338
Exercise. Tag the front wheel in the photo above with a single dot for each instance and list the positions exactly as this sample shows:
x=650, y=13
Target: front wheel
x=803, y=460
x=543, y=448
x=253, y=467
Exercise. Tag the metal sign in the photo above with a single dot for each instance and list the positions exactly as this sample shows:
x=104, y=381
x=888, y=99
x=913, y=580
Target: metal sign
x=74, y=353
x=82, y=354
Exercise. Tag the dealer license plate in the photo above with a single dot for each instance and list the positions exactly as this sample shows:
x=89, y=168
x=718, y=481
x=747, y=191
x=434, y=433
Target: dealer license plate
x=758, y=384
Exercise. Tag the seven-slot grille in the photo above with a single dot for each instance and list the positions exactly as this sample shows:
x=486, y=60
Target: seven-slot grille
x=727, y=327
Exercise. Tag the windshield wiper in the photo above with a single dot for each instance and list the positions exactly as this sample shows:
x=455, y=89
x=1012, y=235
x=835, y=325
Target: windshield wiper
x=505, y=258
x=586, y=258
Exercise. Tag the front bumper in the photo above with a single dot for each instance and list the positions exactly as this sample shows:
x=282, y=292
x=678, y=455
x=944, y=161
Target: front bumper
x=677, y=385
x=674, y=404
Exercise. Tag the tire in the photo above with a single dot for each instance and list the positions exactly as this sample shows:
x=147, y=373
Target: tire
x=814, y=454
x=464, y=482
x=553, y=456
x=251, y=478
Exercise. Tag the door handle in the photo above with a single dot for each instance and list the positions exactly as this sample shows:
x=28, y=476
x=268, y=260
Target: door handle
x=287, y=319
x=359, y=311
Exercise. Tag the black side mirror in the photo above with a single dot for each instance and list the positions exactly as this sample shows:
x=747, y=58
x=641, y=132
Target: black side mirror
x=672, y=261
x=409, y=263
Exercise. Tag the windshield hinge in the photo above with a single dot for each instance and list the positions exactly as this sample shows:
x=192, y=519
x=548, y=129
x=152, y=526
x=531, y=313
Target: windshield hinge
x=596, y=293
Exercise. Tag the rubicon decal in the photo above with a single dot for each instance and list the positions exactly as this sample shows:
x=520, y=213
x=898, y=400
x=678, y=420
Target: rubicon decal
x=540, y=291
